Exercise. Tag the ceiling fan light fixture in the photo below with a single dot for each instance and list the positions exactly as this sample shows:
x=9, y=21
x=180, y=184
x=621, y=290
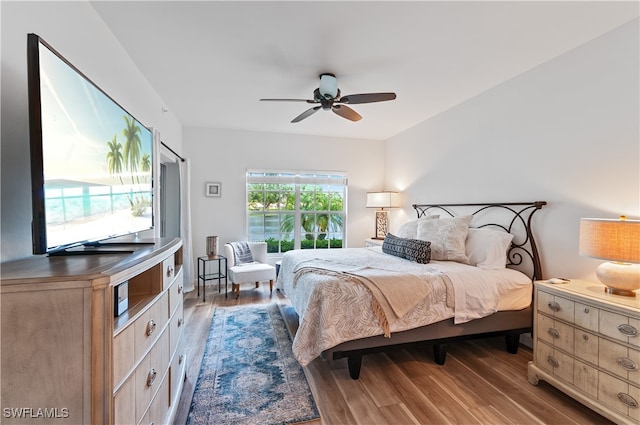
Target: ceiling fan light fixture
x=328, y=98
x=328, y=86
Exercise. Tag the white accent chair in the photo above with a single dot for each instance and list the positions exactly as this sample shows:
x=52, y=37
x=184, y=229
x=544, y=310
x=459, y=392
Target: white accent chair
x=256, y=271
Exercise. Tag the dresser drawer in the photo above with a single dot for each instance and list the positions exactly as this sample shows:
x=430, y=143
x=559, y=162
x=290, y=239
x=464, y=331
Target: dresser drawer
x=160, y=405
x=634, y=324
x=554, y=361
x=586, y=316
x=149, y=374
x=176, y=292
x=168, y=271
x=160, y=354
x=585, y=378
x=555, y=333
x=619, y=327
x=586, y=346
x=553, y=305
x=176, y=327
x=124, y=404
x=123, y=354
x=177, y=369
x=142, y=391
x=620, y=360
x=150, y=324
x=619, y=396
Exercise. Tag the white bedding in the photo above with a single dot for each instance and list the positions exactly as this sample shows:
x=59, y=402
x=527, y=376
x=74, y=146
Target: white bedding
x=332, y=311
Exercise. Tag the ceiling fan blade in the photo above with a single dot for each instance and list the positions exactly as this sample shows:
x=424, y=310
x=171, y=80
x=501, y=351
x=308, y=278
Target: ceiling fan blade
x=353, y=99
x=306, y=114
x=289, y=100
x=346, y=112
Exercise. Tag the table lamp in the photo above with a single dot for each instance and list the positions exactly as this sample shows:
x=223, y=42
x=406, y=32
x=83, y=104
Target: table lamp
x=382, y=200
x=619, y=242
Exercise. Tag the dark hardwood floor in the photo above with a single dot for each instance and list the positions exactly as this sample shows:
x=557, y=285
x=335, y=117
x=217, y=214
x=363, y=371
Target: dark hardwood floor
x=479, y=384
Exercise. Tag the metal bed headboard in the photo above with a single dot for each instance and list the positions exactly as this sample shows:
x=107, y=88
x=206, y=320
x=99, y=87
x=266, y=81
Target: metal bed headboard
x=512, y=217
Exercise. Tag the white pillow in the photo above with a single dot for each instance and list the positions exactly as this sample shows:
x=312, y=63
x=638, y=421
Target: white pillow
x=487, y=248
x=409, y=230
x=447, y=237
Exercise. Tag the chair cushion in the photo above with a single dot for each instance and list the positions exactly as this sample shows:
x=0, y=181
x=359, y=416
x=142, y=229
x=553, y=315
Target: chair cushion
x=252, y=272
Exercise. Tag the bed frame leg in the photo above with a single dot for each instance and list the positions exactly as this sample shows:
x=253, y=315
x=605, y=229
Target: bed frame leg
x=355, y=363
x=513, y=342
x=440, y=353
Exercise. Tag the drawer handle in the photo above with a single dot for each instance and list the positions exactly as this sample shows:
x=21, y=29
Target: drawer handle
x=552, y=361
x=585, y=337
x=627, y=363
x=628, y=330
x=151, y=377
x=628, y=400
x=554, y=306
x=151, y=326
x=180, y=321
x=181, y=359
x=553, y=332
x=169, y=271
x=586, y=310
x=179, y=289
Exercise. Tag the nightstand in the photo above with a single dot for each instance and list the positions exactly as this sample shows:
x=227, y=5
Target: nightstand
x=373, y=242
x=587, y=344
x=205, y=272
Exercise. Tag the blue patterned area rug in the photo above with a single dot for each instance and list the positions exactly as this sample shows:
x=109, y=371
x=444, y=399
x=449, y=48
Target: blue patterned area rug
x=248, y=373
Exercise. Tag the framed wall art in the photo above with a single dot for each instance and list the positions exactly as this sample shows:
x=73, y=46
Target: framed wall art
x=213, y=190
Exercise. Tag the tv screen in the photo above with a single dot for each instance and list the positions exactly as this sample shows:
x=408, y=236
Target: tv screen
x=91, y=161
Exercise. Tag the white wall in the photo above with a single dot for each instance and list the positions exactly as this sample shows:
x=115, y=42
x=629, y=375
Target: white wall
x=225, y=155
x=77, y=32
x=565, y=132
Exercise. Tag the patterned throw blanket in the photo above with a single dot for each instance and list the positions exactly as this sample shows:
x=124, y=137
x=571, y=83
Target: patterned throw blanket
x=393, y=293
x=241, y=253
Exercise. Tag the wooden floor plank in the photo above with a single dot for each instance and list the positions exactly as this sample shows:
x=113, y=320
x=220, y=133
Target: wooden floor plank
x=363, y=408
x=551, y=405
x=479, y=383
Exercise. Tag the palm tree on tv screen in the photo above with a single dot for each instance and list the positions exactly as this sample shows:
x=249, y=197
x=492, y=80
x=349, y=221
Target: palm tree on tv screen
x=115, y=161
x=115, y=158
x=132, y=145
x=145, y=163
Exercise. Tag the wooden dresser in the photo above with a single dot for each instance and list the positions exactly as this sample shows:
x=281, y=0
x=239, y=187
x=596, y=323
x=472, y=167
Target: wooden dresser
x=66, y=357
x=587, y=344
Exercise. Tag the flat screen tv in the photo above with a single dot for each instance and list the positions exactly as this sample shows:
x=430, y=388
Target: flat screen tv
x=91, y=161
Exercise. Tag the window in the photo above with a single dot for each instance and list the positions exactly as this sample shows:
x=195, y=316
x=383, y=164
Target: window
x=296, y=210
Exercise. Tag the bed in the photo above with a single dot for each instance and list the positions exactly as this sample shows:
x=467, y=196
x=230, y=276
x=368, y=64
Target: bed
x=354, y=301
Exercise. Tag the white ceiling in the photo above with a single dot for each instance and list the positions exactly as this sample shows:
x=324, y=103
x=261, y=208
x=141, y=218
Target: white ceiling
x=211, y=61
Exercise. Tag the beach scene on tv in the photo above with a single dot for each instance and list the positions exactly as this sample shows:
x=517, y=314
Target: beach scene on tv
x=97, y=160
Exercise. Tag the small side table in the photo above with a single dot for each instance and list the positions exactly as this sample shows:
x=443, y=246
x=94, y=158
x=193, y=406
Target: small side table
x=373, y=242
x=206, y=271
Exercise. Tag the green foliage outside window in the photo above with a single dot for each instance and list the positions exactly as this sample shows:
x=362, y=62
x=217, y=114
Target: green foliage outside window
x=272, y=215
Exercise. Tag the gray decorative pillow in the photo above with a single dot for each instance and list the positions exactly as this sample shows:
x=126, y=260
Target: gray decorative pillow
x=409, y=230
x=410, y=249
x=447, y=237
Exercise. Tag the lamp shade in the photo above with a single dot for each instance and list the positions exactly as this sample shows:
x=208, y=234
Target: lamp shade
x=383, y=200
x=614, y=240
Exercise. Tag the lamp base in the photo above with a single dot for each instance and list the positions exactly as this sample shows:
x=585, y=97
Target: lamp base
x=616, y=291
x=382, y=222
x=619, y=278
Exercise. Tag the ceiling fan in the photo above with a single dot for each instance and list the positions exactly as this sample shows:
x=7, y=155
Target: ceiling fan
x=327, y=95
